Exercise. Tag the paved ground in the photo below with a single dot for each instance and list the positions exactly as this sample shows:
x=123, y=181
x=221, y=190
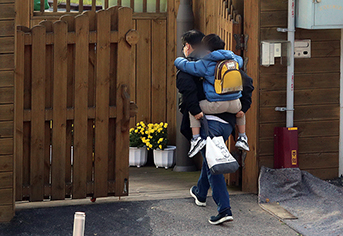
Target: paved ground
x=155, y=217
x=159, y=204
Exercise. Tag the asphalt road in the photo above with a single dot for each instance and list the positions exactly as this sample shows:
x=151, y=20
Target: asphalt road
x=156, y=217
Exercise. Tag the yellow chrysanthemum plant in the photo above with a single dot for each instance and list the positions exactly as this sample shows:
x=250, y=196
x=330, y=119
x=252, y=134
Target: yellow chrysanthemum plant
x=156, y=136
x=137, y=134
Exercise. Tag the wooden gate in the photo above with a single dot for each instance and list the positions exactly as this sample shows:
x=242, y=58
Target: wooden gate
x=230, y=30
x=72, y=106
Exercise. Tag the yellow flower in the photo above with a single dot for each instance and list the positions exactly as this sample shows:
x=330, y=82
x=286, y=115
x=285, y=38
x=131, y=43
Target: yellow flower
x=149, y=136
x=136, y=131
x=146, y=132
x=137, y=124
x=132, y=129
x=161, y=123
x=141, y=123
x=150, y=146
x=160, y=146
x=160, y=140
x=165, y=125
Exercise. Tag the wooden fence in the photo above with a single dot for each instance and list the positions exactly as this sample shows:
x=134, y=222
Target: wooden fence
x=72, y=106
x=155, y=6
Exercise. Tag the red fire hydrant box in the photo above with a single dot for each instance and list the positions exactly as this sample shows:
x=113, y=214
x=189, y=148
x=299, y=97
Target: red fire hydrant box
x=285, y=147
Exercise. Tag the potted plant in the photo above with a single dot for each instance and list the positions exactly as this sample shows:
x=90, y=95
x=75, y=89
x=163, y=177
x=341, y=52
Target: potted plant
x=138, y=153
x=157, y=139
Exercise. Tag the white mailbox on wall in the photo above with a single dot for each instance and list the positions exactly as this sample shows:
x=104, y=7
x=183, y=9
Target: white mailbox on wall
x=319, y=14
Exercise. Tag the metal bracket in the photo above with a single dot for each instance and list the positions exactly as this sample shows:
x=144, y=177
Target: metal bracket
x=283, y=109
x=241, y=41
x=245, y=64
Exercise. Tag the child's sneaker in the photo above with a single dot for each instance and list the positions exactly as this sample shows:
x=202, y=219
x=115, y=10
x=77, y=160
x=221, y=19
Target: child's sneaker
x=242, y=143
x=196, y=145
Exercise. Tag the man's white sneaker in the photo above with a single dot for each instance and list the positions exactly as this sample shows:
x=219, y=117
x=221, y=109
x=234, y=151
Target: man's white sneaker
x=242, y=143
x=196, y=145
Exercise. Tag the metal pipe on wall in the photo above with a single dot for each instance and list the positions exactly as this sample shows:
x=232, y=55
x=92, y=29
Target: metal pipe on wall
x=184, y=22
x=290, y=64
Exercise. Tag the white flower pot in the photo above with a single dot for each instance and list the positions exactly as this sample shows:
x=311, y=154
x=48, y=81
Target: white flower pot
x=165, y=158
x=138, y=156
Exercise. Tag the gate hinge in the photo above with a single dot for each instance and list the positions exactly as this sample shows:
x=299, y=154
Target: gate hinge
x=241, y=41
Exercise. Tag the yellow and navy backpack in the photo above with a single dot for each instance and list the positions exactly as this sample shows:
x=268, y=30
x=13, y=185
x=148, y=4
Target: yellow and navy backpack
x=227, y=78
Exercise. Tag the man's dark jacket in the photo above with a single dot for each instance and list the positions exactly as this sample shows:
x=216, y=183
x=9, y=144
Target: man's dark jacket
x=192, y=92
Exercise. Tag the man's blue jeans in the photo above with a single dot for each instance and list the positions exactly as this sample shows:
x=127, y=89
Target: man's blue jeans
x=216, y=182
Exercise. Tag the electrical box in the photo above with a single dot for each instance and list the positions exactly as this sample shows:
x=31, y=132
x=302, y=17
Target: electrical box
x=286, y=147
x=319, y=14
x=270, y=49
x=302, y=48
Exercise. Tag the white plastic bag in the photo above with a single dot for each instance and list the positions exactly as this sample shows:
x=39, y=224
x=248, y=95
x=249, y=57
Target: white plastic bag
x=218, y=157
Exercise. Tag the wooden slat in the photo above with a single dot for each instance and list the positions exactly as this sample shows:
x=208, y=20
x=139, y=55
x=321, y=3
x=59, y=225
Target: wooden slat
x=59, y=115
x=93, y=5
x=18, y=116
x=81, y=100
x=306, y=145
x=7, y=61
x=6, y=112
x=158, y=5
x=6, y=196
x=327, y=173
x=7, y=78
x=70, y=94
x=124, y=76
x=306, y=129
x=274, y=5
x=55, y=5
x=42, y=6
x=49, y=67
x=6, y=129
x=158, y=74
x=6, y=163
x=273, y=82
x=102, y=103
x=251, y=27
x=80, y=6
x=307, y=65
x=7, y=11
x=113, y=96
x=274, y=19
x=37, y=108
x=302, y=113
x=171, y=81
x=6, y=146
x=6, y=213
x=7, y=28
x=7, y=45
x=145, y=5
x=144, y=71
x=7, y=95
x=6, y=180
x=67, y=5
x=318, y=160
x=301, y=97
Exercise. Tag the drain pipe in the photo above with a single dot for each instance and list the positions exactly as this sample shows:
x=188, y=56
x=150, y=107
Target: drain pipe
x=290, y=66
x=184, y=22
x=286, y=138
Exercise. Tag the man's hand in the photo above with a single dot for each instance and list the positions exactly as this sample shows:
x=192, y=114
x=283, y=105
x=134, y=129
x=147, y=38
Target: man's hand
x=199, y=116
x=240, y=114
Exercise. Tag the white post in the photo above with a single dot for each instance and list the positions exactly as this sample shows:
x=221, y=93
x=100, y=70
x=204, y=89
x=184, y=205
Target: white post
x=340, y=169
x=290, y=64
x=79, y=224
